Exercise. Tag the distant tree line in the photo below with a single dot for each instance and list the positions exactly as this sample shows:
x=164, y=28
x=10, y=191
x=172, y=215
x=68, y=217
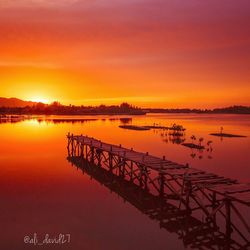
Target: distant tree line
x=58, y=109
x=227, y=110
x=233, y=110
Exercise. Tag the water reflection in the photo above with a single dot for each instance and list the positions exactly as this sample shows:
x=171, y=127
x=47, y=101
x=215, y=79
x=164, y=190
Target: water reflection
x=13, y=118
x=174, y=138
x=201, y=154
x=194, y=233
x=58, y=120
x=125, y=121
x=72, y=121
x=204, y=152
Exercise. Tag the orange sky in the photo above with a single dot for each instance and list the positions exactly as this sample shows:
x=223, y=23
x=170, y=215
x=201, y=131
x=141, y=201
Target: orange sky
x=158, y=53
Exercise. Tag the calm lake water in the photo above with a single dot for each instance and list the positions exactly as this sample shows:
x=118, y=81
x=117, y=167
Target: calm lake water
x=41, y=192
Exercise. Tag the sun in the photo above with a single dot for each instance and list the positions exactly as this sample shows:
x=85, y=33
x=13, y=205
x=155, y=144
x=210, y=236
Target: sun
x=40, y=99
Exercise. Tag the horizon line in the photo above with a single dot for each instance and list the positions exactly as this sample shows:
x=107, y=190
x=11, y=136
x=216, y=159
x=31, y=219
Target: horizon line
x=118, y=104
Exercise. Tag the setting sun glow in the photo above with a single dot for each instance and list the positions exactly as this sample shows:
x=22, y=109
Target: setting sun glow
x=40, y=99
x=181, y=53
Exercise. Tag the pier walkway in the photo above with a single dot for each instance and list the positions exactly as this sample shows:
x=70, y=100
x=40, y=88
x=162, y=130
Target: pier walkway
x=192, y=189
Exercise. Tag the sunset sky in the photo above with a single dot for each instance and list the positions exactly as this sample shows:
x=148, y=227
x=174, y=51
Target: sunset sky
x=151, y=53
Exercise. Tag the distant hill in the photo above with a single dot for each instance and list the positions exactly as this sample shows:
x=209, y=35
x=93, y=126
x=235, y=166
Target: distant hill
x=14, y=102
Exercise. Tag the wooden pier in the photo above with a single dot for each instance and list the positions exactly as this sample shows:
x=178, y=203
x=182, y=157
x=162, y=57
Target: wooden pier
x=191, y=189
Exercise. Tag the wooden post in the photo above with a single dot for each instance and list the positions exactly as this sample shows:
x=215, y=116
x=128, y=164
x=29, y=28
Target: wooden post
x=131, y=171
x=77, y=148
x=119, y=166
x=86, y=152
x=81, y=147
x=162, y=184
x=123, y=168
x=92, y=154
x=110, y=162
x=146, y=178
x=141, y=176
x=99, y=158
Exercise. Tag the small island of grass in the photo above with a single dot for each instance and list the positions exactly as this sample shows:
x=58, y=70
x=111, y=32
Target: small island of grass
x=226, y=135
x=192, y=145
x=134, y=127
x=221, y=134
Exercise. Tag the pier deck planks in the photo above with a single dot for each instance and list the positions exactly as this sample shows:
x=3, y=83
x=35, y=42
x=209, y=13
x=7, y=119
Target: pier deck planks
x=226, y=187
